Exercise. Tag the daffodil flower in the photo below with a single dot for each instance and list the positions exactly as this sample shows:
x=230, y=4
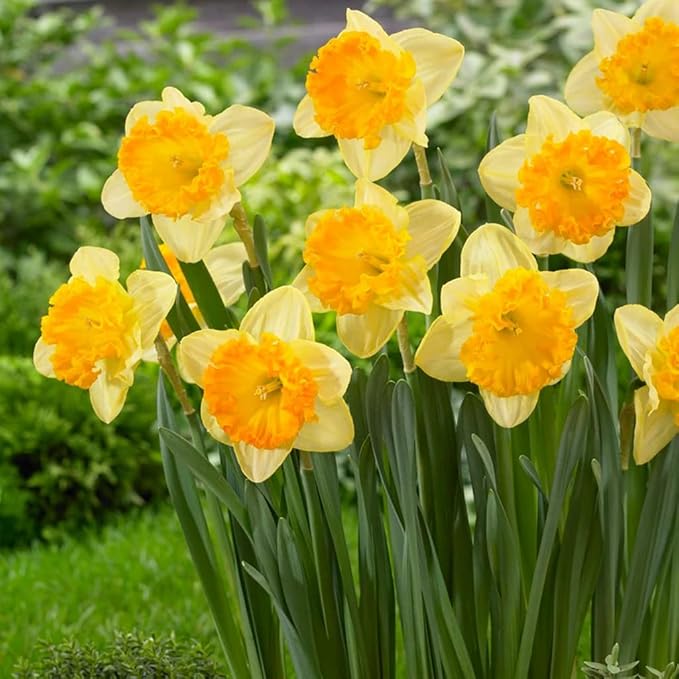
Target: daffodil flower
x=633, y=70
x=505, y=326
x=184, y=167
x=369, y=262
x=268, y=387
x=372, y=90
x=651, y=345
x=568, y=181
x=96, y=332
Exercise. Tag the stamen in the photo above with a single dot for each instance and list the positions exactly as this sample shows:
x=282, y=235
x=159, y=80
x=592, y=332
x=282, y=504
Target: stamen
x=571, y=181
x=263, y=390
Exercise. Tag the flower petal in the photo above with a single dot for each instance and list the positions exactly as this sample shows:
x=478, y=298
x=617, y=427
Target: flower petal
x=194, y=352
x=492, y=249
x=580, y=287
x=511, y=410
x=359, y=21
x=653, y=429
x=608, y=27
x=333, y=431
x=282, y=312
x=365, y=334
x=665, y=9
x=581, y=92
x=331, y=371
x=42, y=354
x=662, y=124
x=671, y=319
x=638, y=329
x=547, y=116
x=189, y=239
x=225, y=264
x=439, y=352
x=148, y=109
x=173, y=98
x=90, y=263
x=258, y=464
x=304, y=122
x=606, y=124
x=154, y=293
x=638, y=203
x=373, y=164
x=433, y=227
x=212, y=426
x=546, y=243
x=415, y=291
x=499, y=171
x=117, y=199
x=368, y=193
x=437, y=57
x=459, y=296
x=588, y=252
x=301, y=282
x=107, y=395
x=250, y=133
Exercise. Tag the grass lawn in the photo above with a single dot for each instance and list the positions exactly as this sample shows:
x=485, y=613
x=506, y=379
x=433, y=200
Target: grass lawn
x=134, y=574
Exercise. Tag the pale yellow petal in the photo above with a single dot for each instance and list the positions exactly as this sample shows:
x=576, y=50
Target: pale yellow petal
x=42, y=354
x=365, y=334
x=282, y=312
x=368, y=193
x=107, y=395
x=415, y=291
x=154, y=293
x=173, y=98
x=439, y=352
x=653, y=429
x=671, y=320
x=332, y=432
x=331, y=371
x=189, y=239
x=662, y=124
x=581, y=92
x=90, y=263
x=304, y=122
x=375, y=163
x=499, y=171
x=549, y=117
x=147, y=109
x=459, y=297
x=437, y=57
x=117, y=199
x=638, y=329
x=313, y=219
x=545, y=243
x=301, y=282
x=212, y=426
x=413, y=123
x=509, y=411
x=638, y=203
x=492, y=249
x=580, y=287
x=588, y=252
x=608, y=27
x=607, y=124
x=665, y=9
x=359, y=21
x=225, y=264
x=250, y=132
x=194, y=352
x=258, y=464
x=433, y=227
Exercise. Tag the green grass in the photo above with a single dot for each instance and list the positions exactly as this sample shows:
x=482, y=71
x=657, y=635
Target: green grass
x=134, y=574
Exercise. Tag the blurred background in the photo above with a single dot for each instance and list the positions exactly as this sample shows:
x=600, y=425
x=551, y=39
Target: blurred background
x=88, y=544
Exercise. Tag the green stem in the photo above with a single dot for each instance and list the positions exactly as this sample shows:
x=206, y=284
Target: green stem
x=404, y=346
x=426, y=184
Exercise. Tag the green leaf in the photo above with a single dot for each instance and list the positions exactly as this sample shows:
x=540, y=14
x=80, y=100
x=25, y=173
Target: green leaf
x=207, y=296
x=262, y=250
x=493, y=210
x=639, y=262
x=672, y=264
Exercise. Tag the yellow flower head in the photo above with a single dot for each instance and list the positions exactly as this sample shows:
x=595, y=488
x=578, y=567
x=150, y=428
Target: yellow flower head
x=652, y=346
x=633, y=70
x=268, y=387
x=372, y=90
x=369, y=262
x=568, y=181
x=184, y=167
x=506, y=326
x=96, y=332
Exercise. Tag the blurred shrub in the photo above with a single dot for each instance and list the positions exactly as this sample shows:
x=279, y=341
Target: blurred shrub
x=130, y=655
x=61, y=468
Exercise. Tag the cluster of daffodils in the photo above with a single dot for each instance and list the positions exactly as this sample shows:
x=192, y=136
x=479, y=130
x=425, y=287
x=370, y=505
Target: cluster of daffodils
x=505, y=325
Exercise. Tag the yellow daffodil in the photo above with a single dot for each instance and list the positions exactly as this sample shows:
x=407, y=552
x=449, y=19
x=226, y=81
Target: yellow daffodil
x=268, y=387
x=184, y=167
x=652, y=346
x=372, y=90
x=505, y=326
x=96, y=332
x=369, y=262
x=633, y=70
x=568, y=181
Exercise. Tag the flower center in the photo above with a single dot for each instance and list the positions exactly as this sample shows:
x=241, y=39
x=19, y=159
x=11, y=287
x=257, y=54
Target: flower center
x=357, y=87
x=576, y=188
x=174, y=165
x=260, y=394
x=643, y=74
x=358, y=257
x=523, y=333
x=666, y=372
x=88, y=324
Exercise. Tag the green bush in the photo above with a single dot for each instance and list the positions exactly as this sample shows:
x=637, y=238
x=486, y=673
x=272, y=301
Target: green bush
x=68, y=469
x=129, y=656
